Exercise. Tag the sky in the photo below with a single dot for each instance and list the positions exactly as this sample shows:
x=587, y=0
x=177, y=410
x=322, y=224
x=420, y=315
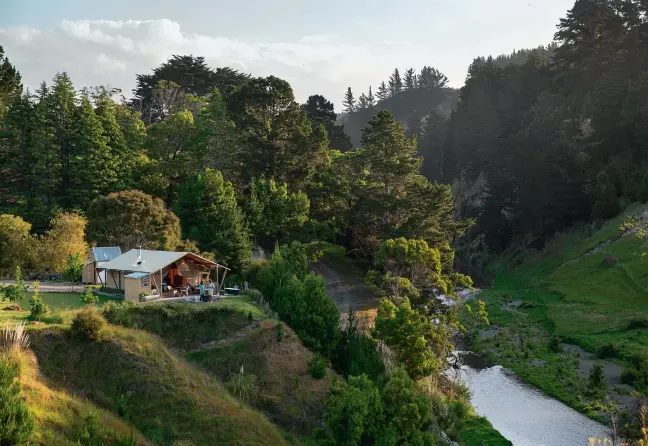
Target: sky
x=320, y=47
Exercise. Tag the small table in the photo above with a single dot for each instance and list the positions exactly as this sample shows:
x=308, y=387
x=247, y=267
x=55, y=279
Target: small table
x=234, y=291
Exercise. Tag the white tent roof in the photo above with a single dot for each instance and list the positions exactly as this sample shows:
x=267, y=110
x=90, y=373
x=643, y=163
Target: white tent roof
x=153, y=261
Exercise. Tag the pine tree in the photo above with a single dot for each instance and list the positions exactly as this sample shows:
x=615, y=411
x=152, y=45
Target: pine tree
x=382, y=93
x=363, y=102
x=90, y=165
x=122, y=158
x=349, y=102
x=395, y=83
x=209, y=214
x=431, y=78
x=10, y=82
x=45, y=171
x=410, y=79
x=370, y=98
x=61, y=109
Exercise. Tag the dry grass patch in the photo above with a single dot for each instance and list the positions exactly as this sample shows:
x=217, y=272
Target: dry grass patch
x=288, y=394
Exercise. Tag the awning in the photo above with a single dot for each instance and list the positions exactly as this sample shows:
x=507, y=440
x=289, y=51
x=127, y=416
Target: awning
x=136, y=275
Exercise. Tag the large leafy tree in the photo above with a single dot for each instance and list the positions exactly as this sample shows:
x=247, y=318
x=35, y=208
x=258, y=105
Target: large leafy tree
x=16, y=243
x=322, y=112
x=131, y=219
x=276, y=138
x=274, y=213
x=419, y=345
x=209, y=214
x=169, y=146
x=65, y=238
x=190, y=74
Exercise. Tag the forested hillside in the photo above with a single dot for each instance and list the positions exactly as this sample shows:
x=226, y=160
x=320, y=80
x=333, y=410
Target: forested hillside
x=420, y=186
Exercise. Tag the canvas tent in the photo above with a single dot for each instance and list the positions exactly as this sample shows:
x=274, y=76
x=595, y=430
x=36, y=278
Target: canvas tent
x=141, y=271
x=97, y=257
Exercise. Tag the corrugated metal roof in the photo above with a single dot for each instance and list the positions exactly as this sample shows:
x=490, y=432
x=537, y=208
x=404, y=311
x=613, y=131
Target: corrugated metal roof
x=105, y=254
x=136, y=275
x=151, y=261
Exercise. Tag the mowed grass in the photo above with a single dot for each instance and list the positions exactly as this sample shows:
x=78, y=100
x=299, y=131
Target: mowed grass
x=56, y=301
x=569, y=291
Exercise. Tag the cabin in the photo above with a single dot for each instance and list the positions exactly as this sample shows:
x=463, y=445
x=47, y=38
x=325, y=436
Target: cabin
x=97, y=257
x=161, y=274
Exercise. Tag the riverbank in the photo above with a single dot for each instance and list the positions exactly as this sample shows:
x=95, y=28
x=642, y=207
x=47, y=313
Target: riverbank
x=521, y=412
x=557, y=313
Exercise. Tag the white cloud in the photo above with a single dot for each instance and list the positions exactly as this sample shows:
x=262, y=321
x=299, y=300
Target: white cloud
x=111, y=52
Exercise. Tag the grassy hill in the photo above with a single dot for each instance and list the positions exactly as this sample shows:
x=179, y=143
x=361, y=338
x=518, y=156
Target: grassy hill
x=163, y=396
x=135, y=383
x=288, y=394
x=588, y=288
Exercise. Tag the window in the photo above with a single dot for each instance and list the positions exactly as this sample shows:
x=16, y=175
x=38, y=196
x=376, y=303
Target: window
x=144, y=281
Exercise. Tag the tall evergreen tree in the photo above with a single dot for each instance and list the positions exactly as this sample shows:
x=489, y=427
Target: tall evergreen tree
x=209, y=214
x=191, y=75
x=382, y=93
x=276, y=138
x=349, y=101
x=10, y=82
x=431, y=78
x=322, y=112
x=92, y=168
x=395, y=83
x=410, y=79
x=370, y=98
x=61, y=108
x=363, y=102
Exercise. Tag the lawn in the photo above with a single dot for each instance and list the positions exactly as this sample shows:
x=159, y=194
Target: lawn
x=56, y=302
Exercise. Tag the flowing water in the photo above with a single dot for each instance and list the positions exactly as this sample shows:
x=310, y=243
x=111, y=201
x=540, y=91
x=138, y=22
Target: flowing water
x=519, y=411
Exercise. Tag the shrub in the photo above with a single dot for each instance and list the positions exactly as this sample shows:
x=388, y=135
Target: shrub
x=317, y=366
x=243, y=386
x=14, y=292
x=16, y=422
x=91, y=433
x=356, y=353
x=554, y=344
x=256, y=295
x=280, y=332
x=87, y=325
x=607, y=350
x=182, y=325
x=38, y=307
x=638, y=323
x=88, y=297
x=596, y=380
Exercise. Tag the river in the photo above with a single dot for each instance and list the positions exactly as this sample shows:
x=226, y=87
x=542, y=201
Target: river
x=520, y=412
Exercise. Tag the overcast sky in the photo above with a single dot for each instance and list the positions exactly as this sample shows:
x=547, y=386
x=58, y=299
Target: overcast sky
x=320, y=47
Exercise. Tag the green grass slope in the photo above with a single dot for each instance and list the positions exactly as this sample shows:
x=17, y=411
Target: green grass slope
x=164, y=397
x=587, y=288
x=570, y=291
x=59, y=416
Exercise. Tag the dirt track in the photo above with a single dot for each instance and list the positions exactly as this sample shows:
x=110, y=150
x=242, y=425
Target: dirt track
x=345, y=287
x=51, y=287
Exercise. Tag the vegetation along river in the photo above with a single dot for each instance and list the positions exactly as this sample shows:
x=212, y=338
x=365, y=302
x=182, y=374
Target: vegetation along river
x=520, y=412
